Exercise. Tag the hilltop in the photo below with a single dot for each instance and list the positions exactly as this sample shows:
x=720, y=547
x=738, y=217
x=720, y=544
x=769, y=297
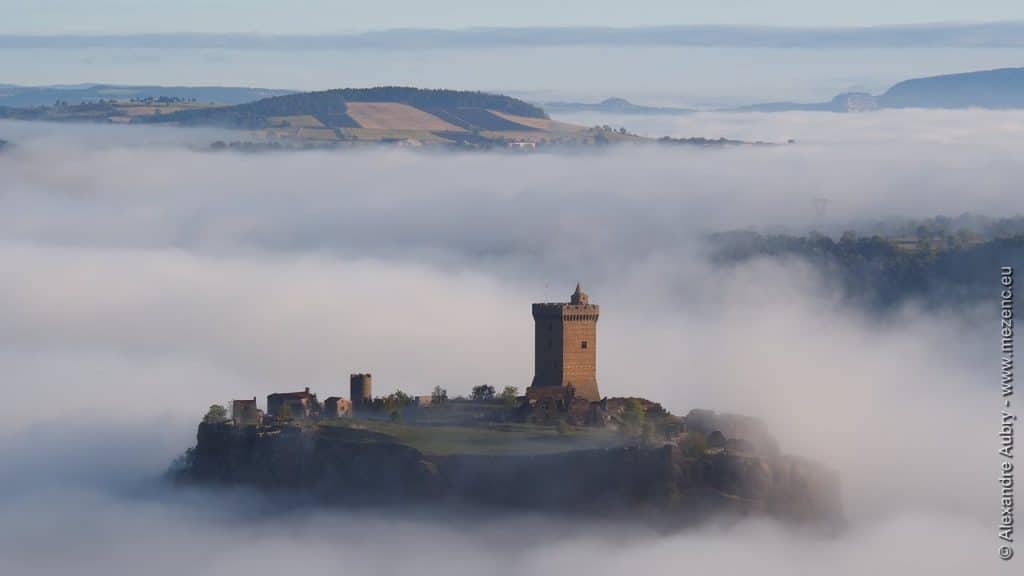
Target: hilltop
x=384, y=113
x=623, y=458
x=354, y=107
x=414, y=116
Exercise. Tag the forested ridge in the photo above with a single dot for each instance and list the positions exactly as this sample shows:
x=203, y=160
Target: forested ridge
x=936, y=264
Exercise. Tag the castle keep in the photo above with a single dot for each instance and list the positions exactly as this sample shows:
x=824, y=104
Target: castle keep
x=565, y=347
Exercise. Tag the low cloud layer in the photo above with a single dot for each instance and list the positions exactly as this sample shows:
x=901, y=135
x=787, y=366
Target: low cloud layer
x=969, y=35
x=145, y=280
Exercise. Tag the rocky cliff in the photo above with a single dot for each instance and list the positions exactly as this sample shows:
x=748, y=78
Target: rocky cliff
x=352, y=466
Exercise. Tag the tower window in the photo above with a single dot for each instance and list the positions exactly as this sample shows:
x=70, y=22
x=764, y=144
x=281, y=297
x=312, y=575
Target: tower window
x=583, y=344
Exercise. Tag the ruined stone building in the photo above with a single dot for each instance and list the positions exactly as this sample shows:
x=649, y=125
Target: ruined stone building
x=246, y=413
x=337, y=407
x=565, y=349
x=301, y=405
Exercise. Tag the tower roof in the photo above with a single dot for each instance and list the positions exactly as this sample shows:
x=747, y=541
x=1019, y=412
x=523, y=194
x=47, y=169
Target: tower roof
x=579, y=296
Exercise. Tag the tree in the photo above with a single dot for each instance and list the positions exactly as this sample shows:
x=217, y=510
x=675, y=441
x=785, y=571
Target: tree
x=483, y=392
x=509, y=395
x=398, y=399
x=217, y=414
x=633, y=416
x=439, y=395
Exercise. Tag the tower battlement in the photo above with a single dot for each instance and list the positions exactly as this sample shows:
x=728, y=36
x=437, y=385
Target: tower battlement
x=360, y=389
x=565, y=345
x=564, y=310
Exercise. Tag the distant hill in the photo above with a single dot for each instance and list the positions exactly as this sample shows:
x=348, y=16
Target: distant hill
x=993, y=89
x=846, y=102
x=611, y=106
x=25, y=96
x=387, y=107
x=1002, y=88
x=390, y=114
x=403, y=116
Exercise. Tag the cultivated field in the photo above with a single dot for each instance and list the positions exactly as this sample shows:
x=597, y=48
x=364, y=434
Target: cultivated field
x=394, y=116
x=540, y=123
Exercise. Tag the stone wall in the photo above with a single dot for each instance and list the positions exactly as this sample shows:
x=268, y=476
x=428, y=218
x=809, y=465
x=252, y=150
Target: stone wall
x=579, y=350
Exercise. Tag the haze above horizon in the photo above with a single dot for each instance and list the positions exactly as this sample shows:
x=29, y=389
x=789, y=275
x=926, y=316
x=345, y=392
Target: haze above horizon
x=47, y=17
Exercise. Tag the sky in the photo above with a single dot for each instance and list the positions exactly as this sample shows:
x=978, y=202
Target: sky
x=326, y=16
x=725, y=68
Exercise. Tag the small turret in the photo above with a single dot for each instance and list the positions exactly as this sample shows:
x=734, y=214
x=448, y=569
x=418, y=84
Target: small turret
x=579, y=297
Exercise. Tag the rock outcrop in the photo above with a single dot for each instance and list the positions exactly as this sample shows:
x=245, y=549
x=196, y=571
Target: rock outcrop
x=353, y=466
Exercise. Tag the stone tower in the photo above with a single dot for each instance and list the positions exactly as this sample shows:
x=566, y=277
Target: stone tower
x=360, y=389
x=565, y=346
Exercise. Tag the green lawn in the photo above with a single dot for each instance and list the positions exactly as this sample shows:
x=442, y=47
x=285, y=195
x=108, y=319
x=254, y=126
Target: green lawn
x=492, y=439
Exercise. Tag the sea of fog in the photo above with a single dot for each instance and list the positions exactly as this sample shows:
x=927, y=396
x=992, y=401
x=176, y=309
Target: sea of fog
x=146, y=278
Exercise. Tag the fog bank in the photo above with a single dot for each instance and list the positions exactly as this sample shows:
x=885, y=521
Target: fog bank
x=145, y=280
